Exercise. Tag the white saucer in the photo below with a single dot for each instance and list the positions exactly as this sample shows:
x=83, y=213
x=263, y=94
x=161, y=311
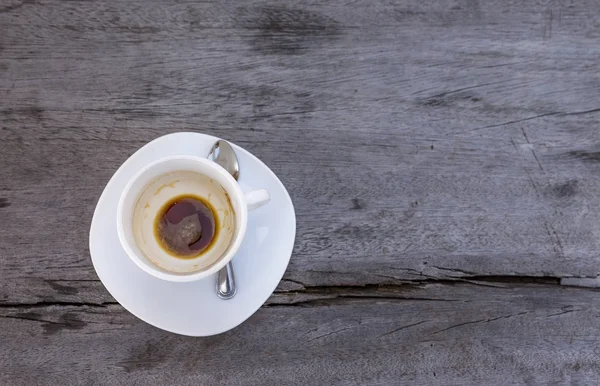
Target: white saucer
x=194, y=308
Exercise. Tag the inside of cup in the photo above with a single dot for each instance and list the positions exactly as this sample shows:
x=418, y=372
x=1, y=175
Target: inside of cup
x=157, y=185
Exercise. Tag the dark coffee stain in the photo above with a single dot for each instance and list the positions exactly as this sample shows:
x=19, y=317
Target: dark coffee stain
x=564, y=190
x=62, y=289
x=67, y=321
x=589, y=156
x=4, y=203
x=146, y=357
x=290, y=31
x=358, y=204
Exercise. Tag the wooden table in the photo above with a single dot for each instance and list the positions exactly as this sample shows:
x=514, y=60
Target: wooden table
x=443, y=158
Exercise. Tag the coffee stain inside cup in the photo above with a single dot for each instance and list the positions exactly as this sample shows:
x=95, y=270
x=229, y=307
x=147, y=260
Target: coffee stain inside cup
x=163, y=186
x=157, y=193
x=186, y=226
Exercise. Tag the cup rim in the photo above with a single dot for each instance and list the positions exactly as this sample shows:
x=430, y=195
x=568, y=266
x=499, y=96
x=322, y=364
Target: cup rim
x=216, y=267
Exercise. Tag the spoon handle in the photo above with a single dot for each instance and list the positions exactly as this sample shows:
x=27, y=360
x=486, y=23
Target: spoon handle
x=226, y=282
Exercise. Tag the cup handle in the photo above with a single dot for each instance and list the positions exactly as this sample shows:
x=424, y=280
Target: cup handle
x=257, y=198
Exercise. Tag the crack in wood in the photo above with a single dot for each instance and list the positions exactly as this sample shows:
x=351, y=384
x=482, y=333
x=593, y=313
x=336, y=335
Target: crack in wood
x=443, y=94
x=387, y=276
x=461, y=271
x=480, y=321
x=515, y=121
x=325, y=295
x=564, y=310
x=73, y=280
x=294, y=281
x=415, y=283
x=561, y=313
x=56, y=304
x=31, y=319
x=346, y=299
x=532, y=149
x=554, y=239
x=533, y=184
x=560, y=114
x=582, y=112
x=330, y=333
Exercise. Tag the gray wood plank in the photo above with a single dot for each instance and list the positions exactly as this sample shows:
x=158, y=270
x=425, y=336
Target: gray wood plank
x=435, y=334
x=477, y=163
x=426, y=143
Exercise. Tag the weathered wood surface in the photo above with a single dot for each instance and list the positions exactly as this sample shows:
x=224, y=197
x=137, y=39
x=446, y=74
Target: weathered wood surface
x=443, y=158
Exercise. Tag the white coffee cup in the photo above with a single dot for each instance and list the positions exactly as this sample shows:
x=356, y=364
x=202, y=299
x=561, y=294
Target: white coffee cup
x=162, y=180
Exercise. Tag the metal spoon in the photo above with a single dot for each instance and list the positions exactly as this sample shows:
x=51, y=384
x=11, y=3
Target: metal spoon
x=222, y=153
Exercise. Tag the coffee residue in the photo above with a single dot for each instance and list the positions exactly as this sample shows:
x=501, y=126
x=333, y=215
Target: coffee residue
x=186, y=226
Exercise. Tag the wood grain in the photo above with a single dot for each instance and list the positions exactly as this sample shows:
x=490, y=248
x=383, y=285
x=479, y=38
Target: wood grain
x=432, y=334
x=426, y=145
